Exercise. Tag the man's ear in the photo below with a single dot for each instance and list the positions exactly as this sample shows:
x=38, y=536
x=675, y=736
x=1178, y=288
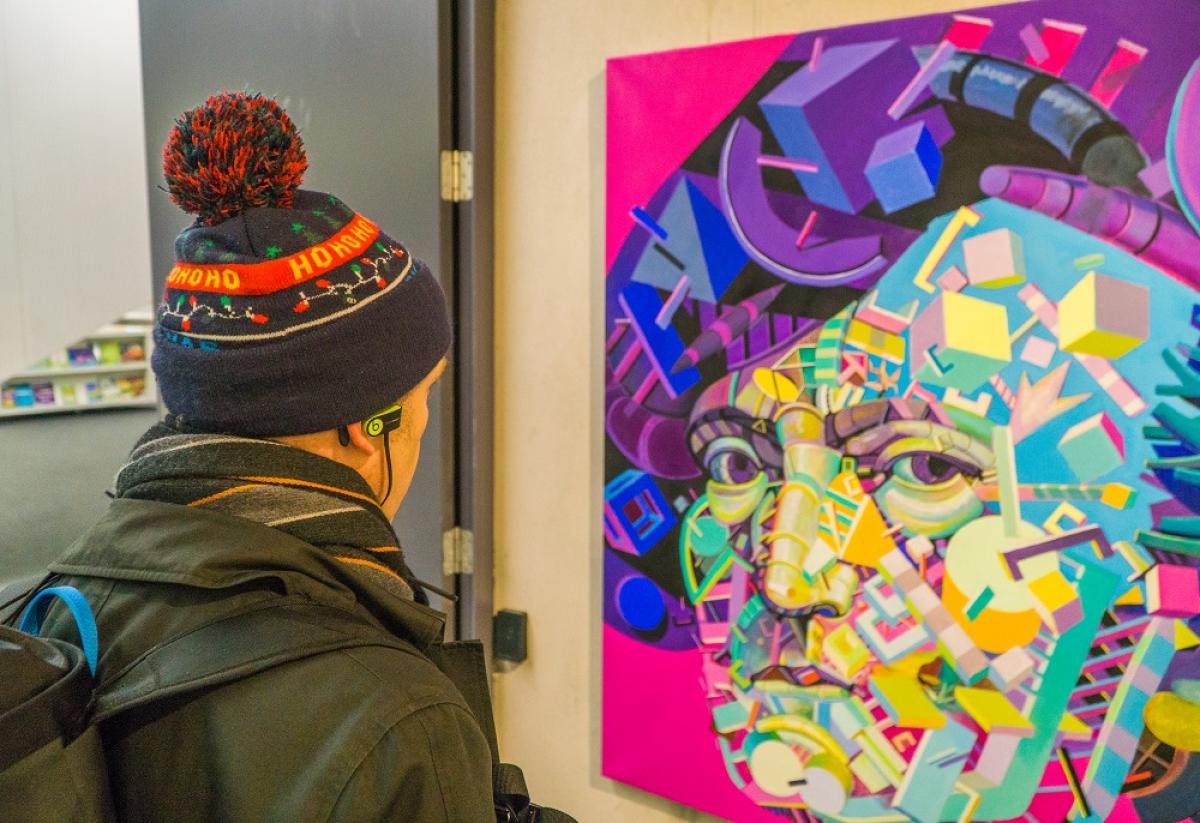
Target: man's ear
x=360, y=440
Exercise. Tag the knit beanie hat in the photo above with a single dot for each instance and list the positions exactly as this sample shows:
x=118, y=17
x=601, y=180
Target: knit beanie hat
x=287, y=312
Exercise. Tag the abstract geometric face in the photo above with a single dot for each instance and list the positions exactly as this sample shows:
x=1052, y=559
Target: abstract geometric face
x=903, y=467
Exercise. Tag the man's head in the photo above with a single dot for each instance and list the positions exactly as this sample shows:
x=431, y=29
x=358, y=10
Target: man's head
x=365, y=453
x=287, y=314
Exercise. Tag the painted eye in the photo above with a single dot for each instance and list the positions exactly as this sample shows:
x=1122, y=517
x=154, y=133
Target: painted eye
x=927, y=469
x=731, y=461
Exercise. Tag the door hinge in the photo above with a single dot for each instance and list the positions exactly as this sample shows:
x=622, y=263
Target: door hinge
x=458, y=175
x=458, y=551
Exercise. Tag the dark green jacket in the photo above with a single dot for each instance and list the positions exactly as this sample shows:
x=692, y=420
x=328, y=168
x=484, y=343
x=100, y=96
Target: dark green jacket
x=362, y=734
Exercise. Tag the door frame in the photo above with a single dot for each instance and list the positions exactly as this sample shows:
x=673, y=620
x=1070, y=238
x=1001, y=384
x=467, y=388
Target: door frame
x=467, y=59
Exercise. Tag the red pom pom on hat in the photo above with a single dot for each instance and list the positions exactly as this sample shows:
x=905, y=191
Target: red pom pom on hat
x=237, y=151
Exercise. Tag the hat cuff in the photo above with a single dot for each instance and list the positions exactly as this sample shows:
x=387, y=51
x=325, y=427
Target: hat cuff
x=333, y=374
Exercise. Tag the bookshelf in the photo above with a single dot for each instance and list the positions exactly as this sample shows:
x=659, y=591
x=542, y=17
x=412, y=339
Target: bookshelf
x=107, y=369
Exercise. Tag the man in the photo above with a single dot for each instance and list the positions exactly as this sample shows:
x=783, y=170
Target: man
x=296, y=346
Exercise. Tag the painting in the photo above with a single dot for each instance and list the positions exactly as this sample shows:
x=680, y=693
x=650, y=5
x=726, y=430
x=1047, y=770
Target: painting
x=902, y=447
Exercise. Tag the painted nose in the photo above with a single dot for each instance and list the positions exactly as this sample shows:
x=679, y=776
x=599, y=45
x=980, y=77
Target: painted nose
x=808, y=466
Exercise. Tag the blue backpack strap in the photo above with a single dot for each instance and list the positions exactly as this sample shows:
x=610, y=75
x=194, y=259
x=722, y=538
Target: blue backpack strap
x=85, y=621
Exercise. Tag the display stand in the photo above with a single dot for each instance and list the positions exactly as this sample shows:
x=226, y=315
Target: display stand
x=107, y=369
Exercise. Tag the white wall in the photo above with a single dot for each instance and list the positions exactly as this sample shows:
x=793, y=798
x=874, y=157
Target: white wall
x=549, y=368
x=74, y=233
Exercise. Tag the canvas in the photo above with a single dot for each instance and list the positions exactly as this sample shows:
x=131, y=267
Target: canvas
x=902, y=477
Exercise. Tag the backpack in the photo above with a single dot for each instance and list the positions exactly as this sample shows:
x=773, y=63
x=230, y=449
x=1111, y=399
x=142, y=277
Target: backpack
x=52, y=764
x=51, y=761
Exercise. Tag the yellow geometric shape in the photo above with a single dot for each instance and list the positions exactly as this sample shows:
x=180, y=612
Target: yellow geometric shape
x=1185, y=638
x=827, y=783
x=1174, y=721
x=861, y=533
x=870, y=775
x=1116, y=495
x=965, y=216
x=814, y=642
x=993, y=711
x=819, y=739
x=1056, y=601
x=979, y=327
x=775, y=386
x=882, y=754
x=1072, y=728
x=882, y=344
x=731, y=503
x=905, y=700
x=1133, y=597
x=846, y=651
x=1053, y=523
x=775, y=766
x=1103, y=316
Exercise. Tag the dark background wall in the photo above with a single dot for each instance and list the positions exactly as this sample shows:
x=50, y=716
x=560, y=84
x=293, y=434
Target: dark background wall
x=53, y=473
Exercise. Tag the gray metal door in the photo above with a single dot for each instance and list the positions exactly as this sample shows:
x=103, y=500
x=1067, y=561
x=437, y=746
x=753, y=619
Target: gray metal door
x=361, y=80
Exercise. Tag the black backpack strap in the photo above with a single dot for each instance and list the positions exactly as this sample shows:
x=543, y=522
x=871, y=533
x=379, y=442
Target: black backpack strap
x=237, y=646
x=512, y=799
x=22, y=589
x=463, y=663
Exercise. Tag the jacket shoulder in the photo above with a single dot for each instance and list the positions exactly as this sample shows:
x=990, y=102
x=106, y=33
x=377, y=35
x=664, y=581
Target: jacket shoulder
x=304, y=728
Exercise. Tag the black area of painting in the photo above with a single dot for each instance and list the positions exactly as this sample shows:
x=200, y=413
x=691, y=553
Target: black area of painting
x=661, y=563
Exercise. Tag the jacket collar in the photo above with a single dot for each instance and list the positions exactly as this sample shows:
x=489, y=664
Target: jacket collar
x=142, y=540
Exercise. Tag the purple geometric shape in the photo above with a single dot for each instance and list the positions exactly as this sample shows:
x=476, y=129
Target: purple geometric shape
x=935, y=120
x=770, y=241
x=655, y=443
x=833, y=115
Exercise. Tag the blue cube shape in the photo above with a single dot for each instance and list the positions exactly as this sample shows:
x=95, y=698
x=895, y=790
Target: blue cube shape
x=904, y=167
x=636, y=515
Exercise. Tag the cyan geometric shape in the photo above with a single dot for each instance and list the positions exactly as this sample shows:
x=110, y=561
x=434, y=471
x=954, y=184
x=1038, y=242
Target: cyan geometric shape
x=636, y=515
x=1093, y=447
x=936, y=765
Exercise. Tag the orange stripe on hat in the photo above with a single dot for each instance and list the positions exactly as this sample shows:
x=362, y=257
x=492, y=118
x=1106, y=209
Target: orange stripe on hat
x=269, y=276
